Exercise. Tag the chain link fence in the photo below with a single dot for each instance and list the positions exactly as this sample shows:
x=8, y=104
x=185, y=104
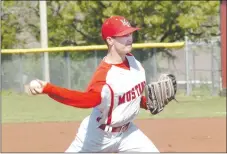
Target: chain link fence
x=204, y=68
x=196, y=66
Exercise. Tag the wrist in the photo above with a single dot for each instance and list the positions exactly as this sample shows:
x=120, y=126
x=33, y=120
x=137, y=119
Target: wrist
x=47, y=88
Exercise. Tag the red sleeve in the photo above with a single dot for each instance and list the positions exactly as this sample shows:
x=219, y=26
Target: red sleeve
x=91, y=98
x=73, y=98
x=143, y=102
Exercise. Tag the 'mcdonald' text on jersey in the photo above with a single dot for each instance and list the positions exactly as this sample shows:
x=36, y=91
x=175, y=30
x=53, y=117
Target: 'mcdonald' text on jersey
x=132, y=94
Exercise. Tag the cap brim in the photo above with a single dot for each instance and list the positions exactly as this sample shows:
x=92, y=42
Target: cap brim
x=127, y=31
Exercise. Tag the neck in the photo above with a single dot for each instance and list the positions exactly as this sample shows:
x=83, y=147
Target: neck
x=114, y=58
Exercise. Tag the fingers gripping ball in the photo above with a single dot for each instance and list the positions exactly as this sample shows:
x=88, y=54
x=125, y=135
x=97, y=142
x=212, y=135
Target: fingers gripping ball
x=160, y=93
x=35, y=87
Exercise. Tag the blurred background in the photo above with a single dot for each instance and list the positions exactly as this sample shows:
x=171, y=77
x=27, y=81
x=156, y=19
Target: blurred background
x=33, y=24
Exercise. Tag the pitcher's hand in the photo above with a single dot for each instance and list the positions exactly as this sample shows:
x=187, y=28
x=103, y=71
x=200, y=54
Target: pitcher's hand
x=35, y=87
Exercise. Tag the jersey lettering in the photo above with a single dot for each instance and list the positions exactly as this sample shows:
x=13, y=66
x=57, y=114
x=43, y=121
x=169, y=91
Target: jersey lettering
x=132, y=94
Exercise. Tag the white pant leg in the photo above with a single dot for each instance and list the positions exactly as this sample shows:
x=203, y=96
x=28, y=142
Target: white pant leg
x=134, y=140
x=91, y=139
x=75, y=146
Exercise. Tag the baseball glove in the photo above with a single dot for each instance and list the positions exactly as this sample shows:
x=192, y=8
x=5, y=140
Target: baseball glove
x=160, y=93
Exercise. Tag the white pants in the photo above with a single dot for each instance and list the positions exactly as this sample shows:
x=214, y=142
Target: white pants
x=90, y=138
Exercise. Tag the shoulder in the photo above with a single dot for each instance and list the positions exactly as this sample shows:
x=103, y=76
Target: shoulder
x=99, y=76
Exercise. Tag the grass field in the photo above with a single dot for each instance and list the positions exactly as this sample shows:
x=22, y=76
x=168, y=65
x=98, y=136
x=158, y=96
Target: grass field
x=18, y=108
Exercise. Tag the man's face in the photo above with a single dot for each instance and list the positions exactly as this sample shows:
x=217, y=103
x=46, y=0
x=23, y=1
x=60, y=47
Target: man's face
x=123, y=44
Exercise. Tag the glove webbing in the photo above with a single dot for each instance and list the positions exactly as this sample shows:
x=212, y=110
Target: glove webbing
x=156, y=95
x=169, y=85
x=161, y=91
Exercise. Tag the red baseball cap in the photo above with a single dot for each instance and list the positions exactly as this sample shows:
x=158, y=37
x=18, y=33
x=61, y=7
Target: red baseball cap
x=116, y=26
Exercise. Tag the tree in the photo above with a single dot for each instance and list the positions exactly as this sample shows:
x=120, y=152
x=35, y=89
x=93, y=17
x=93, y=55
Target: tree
x=79, y=22
x=8, y=35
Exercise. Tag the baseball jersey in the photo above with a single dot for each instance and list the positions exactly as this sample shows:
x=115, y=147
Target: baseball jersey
x=115, y=92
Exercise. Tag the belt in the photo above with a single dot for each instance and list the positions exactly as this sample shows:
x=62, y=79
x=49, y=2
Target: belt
x=108, y=128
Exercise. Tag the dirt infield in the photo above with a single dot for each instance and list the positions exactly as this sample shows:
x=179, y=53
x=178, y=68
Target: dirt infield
x=175, y=135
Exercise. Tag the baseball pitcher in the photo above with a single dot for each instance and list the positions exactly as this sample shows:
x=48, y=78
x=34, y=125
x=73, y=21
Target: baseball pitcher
x=116, y=92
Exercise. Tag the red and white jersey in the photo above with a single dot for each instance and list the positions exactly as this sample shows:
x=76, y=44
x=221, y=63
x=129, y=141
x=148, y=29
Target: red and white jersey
x=121, y=86
x=114, y=92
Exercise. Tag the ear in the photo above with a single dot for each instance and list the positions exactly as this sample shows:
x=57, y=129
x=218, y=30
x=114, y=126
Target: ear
x=109, y=41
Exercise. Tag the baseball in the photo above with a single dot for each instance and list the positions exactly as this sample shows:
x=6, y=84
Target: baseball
x=34, y=84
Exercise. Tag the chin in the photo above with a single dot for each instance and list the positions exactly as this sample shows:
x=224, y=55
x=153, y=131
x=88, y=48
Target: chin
x=128, y=50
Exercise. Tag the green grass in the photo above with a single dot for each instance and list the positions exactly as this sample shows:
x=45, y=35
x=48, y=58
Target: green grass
x=18, y=108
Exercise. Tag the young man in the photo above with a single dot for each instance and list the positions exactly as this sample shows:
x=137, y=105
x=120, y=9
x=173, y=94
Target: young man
x=115, y=94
